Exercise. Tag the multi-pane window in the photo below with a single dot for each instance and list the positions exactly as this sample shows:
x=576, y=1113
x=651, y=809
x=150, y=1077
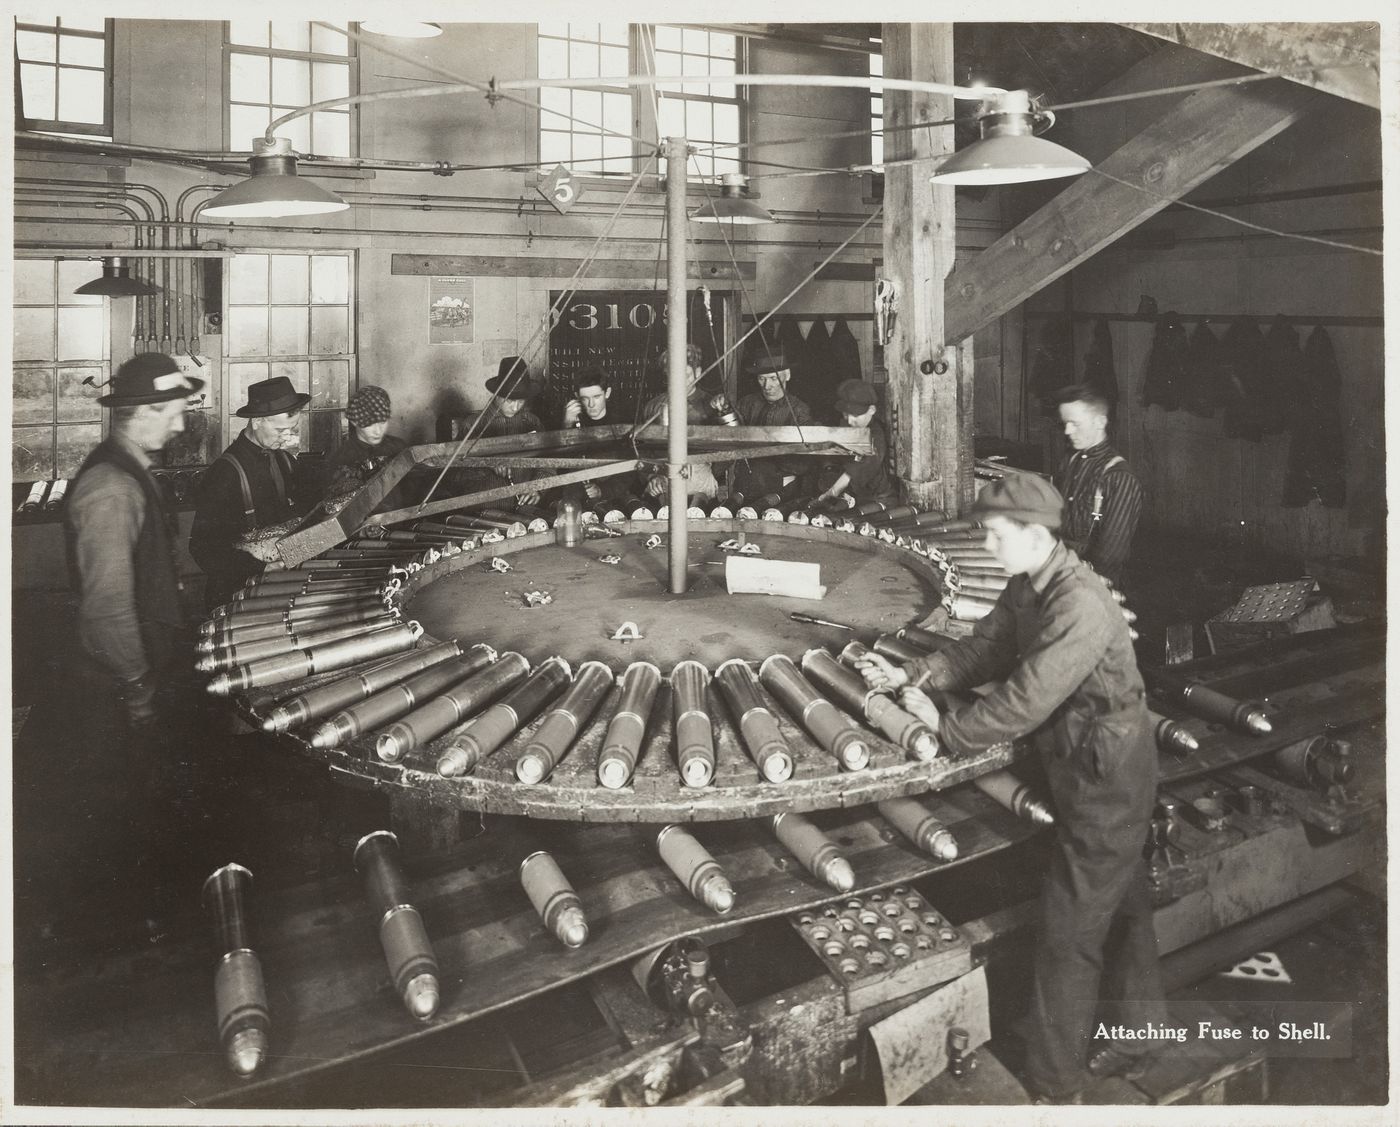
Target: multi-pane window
x=710, y=117
x=877, y=112
x=65, y=68
x=707, y=115
x=61, y=357
x=290, y=315
x=277, y=66
x=572, y=121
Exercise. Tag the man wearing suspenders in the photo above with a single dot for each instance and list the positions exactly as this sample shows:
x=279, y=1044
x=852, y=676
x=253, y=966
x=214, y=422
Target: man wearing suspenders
x=1103, y=499
x=255, y=482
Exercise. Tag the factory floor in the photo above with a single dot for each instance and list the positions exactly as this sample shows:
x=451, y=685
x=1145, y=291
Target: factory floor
x=87, y=887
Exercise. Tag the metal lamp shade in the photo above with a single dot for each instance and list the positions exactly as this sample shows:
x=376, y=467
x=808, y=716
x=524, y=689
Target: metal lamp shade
x=732, y=206
x=273, y=190
x=1009, y=152
x=116, y=281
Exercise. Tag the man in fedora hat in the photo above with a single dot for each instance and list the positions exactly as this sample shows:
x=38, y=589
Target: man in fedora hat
x=1059, y=650
x=257, y=481
x=767, y=479
x=512, y=388
x=860, y=478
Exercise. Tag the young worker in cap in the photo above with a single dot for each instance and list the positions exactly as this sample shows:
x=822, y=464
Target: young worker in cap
x=1058, y=647
x=863, y=478
x=593, y=389
x=368, y=445
x=256, y=482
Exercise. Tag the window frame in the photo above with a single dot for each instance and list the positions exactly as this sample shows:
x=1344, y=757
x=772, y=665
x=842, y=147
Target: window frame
x=57, y=125
x=351, y=61
x=643, y=123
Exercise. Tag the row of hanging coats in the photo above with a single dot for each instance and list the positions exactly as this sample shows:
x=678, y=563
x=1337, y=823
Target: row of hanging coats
x=1261, y=383
x=819, y=361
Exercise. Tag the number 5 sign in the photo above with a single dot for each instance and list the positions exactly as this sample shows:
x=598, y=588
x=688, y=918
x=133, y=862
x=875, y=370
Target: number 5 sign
x=560, y=189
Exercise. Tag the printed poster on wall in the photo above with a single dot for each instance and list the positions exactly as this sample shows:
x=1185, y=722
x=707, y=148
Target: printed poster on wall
x=451, y=319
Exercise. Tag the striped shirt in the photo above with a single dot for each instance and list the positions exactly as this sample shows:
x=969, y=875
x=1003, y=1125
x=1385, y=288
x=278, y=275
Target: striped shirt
x=1103, y=501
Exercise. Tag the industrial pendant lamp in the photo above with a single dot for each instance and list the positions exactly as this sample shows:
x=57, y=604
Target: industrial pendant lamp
x=402, y=29
x=732, y=206
x=116, y=281
x=274, y=189
x=1009, y=152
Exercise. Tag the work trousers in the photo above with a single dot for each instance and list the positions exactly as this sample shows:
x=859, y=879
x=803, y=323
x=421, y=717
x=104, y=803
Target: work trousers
x=1096, y=932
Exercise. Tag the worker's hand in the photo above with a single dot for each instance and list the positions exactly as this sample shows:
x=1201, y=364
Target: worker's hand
x=656, y=486
x=138, y=704
x=917, y=703
x=591, y=490
x=573, y=409
x=880, y=674
x=528, y=498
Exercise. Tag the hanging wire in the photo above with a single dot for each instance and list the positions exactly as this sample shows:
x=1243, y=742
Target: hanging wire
x=530, y=350
x=1235, y=219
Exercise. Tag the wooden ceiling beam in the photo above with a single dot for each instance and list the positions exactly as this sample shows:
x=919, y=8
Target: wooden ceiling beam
x=1207, y=131
x=1338, y=58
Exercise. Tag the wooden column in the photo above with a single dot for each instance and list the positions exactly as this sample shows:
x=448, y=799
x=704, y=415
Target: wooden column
x=930, y=386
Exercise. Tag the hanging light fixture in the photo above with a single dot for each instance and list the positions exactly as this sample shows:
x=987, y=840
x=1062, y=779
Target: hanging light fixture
x=1009, y=151
x=116, y=281
x=274, y=189
x=402, y=29
x=732, y=205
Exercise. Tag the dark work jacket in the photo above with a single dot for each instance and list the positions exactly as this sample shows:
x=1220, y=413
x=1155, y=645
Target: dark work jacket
x=819, y=377
x=1280, y=398
x=1317, y=450
x=1165, y=383
x=1099, y=478
x=1205, y=372
x=220, y=519
x=845, y=353
x=869, y=479
x=355, y=461
x=1058, y=648
x=157, y=577
x=1246, y=383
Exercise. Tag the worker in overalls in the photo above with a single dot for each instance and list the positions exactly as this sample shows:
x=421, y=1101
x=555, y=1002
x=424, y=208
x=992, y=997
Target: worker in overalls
x=1103, y=498
x=1057, y=648
x=256, y=482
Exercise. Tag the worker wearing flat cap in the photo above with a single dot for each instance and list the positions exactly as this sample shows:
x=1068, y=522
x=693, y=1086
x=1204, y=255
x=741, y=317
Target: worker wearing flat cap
x=860, y=477
x=368, y=445
x=256, y=483
x=1058, y=649
x=109, y=749
x=767, y=480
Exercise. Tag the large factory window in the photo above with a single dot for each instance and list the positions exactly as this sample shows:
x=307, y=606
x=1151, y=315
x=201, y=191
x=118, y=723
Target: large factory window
x=273, y=67
x=61, y=357
x=290, y=315
x=65, y=75
x=573, y=122
x=877, y=110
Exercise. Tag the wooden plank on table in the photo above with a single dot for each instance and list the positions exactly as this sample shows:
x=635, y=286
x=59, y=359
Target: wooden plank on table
x=521, y=266
x=1339, y=58
x=1206, y=132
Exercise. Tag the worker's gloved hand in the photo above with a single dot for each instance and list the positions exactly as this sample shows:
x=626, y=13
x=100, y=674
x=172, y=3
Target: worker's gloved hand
x=917, y=703
x=880, y=674
x=138, y=700
x=528, y=498
x=656, y=486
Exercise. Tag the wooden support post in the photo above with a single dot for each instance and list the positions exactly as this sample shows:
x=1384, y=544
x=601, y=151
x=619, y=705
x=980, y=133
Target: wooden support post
x=930, y=385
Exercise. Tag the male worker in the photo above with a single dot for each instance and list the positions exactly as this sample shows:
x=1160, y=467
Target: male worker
x=701, y=409
x=109, y=752
x=1058, y=650
x=256, y=482
x=588, y=407
x=512, y=388
x=369, y=444
x=764, y=479
x=1103, y=500
x=861, y=478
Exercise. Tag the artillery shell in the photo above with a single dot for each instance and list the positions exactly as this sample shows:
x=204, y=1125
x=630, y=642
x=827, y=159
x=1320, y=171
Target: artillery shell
x=554, y=898
x=1243, y=716
x=488, y=731
x=1172, y=737
x=757, y=725
x=925, y=640
x=897, y=650
x=695, y=739
x=817, y=852
x=695, y=868
x=318, y=659
x=240, y=998
x=814, y=712
x=1016, y=796
x=450, y=707
x=561, y=727
x=627, y=728
x=412, y=965
x=920, y=827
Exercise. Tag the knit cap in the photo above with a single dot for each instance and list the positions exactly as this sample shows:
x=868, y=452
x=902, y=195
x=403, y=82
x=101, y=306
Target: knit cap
x=369, y=405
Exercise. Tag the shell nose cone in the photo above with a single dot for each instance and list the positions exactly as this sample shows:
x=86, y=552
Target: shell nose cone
x=422, y=997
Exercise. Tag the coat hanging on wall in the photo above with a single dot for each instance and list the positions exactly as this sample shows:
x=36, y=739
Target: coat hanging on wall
x=1282, y=376
x=1245, y=385
x=1166, y=378
x=1205, y=372
x=1317, y=449
x=794, y=349
x=845, y=352
x=1098, y=363
x=818, y=386
x=1052, y=363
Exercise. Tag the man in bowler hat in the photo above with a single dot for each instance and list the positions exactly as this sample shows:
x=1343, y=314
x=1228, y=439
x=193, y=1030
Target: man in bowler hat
x=764, y=480
x=257, y=481
x=1058, y=648
x=512, y=388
